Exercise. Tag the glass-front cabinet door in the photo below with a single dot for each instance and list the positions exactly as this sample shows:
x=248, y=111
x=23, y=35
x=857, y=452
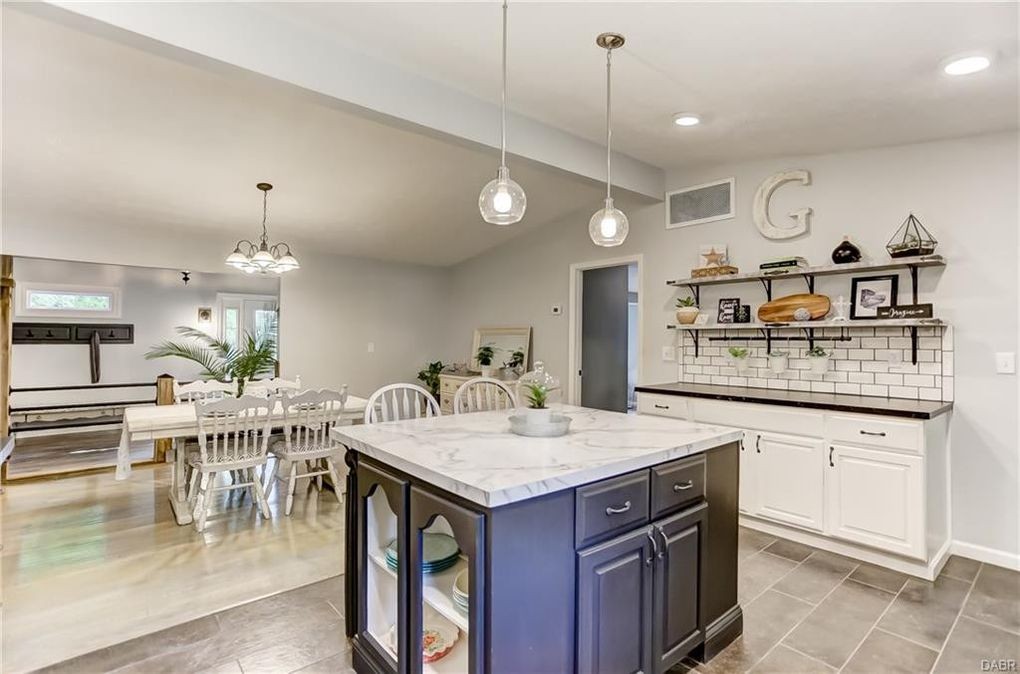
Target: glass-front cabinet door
x=447, y=586
x=382, y=541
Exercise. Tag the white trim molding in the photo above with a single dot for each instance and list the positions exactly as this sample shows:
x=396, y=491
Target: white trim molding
x=26, y=288
x=574, y=315
x=1008, y=560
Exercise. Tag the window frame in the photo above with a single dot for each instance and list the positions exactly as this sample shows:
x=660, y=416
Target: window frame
x=26, y=288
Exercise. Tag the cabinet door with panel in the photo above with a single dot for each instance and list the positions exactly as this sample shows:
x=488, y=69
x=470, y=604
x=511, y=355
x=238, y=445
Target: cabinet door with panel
x=677, y=617
x=789, y=479
x=748, y=493
x=614, y=600
x=876, y=498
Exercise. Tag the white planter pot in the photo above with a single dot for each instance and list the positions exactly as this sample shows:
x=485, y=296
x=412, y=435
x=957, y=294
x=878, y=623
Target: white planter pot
x=533, y=416
x=740, y=364
x=486, y=370
x=819, y=364
x=778, y=364
x=686, y=315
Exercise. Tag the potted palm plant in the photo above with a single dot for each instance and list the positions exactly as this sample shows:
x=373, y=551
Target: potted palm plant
x=819, y=359
x=221, y=361
x=484, y=356
x=686, y=310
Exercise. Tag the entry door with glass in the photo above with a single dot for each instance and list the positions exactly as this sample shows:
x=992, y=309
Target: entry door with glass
x=256, y=315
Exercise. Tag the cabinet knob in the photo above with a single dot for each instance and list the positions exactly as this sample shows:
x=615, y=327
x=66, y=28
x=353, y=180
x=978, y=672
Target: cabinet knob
x=611, y=510
x=683, y=487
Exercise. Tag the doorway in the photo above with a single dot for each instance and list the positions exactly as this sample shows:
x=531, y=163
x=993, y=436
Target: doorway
x=605, y=333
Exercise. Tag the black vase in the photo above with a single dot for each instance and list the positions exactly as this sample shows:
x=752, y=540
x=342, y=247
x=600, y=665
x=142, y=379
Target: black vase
x=846, y=252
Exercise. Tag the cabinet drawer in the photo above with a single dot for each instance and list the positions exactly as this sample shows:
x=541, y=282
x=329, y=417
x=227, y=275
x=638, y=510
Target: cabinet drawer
x=610, y=507
x=448, y=386
x=663, y=405
x=863, y=430
x=677, y=484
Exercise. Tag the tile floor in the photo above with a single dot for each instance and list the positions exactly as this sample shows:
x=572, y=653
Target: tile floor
x=805, y=610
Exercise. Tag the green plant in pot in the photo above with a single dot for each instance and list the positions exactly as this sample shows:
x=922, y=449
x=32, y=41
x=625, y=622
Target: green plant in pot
x=686, y=310
x=219, y=360
x=537, y=398
x=819, y=359
x=429, y=376
x=739, y=356
x=484, y=356
x=516, y=362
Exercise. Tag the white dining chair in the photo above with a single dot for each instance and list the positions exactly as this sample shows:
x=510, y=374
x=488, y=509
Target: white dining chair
x=400, y=401
x=203, y=389
x=233, y=436
x=307, y=420
x=268, y=388
x=483, y=394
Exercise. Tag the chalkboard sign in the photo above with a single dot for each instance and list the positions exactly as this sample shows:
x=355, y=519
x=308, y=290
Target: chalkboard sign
x=906, y=311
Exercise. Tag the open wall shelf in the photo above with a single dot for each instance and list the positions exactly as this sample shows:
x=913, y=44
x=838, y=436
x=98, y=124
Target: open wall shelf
x=808, y=274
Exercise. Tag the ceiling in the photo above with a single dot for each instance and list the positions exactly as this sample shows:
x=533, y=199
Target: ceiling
x=97, y=131
x=769, y=78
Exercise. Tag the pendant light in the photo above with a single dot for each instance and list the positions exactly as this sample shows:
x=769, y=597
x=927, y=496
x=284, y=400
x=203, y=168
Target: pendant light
x=265, y=257
x=608, y=227
x=502, y=201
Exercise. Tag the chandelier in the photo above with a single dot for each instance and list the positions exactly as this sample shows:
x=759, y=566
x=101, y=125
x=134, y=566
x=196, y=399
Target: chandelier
x=264, y=257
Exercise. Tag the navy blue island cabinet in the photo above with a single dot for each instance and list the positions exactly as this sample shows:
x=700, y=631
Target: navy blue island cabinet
x=630, y=573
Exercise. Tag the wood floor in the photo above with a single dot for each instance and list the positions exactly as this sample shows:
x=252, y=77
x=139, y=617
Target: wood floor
x=89, y=562
x=70, y=452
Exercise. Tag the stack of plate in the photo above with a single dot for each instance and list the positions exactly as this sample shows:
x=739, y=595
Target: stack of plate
x=439, y=553
x=460, y=590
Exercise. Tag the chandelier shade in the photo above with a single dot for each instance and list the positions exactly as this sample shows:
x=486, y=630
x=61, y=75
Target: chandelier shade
x=265, y=257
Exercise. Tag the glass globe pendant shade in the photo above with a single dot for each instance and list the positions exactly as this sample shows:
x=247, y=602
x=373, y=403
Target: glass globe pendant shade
x=609, y=226
x=237, y=259
x=263, y=259
x=286, y=263
x=502, y=201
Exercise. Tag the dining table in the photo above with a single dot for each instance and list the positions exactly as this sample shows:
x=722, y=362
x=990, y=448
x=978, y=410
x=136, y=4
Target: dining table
x=179, y=422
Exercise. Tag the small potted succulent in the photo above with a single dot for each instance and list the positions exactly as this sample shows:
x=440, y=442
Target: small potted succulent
x=484, y=356
x=512, y=368
x=537, y=397
x=819, y=359
x=686, y=310
x=779, y=361
x=739, y=356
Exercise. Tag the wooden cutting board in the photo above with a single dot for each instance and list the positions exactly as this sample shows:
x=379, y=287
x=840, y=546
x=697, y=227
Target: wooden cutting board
x=781, y=310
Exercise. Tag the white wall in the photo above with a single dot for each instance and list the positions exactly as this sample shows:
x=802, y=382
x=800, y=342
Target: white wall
x=155, y=301
x=963, y=190
x=335, y=306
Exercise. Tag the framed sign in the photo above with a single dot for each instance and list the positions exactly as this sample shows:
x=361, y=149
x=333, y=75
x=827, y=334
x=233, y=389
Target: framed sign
x=728, y=309
x=906, y=311
x=870, y=293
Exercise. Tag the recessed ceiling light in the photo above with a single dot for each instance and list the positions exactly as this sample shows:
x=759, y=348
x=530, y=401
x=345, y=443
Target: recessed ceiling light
x=686, y=119
x=967, y=65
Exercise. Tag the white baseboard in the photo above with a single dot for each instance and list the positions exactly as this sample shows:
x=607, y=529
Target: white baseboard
x=987, y=555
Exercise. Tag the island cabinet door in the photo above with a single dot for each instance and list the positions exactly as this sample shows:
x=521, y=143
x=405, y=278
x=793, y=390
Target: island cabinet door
x=380, y=595
x=678, y=619
x=614, y=601
x=447, y=629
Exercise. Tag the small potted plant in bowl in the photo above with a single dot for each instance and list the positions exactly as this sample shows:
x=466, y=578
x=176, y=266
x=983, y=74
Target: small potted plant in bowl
x=739, y=356
x=686, y=310
x=779, y=361
x=484, y=356
x=537, y=395
x=819, y=359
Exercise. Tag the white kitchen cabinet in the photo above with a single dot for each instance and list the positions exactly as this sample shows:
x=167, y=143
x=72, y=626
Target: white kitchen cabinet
x=789, y=473
x=877, y=498
x=748, y=494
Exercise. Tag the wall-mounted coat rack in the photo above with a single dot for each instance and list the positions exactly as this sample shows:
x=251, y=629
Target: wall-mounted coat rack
x=72, y=333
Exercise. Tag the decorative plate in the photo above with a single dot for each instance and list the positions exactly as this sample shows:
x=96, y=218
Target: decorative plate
x=437, y=549
x=437, y=640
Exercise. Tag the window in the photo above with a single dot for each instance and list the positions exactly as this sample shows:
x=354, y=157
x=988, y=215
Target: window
x=67, y=301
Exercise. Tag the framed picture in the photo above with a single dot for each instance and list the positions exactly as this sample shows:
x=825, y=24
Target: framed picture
x=698, y=204
x=870, y=293
x=728, y=308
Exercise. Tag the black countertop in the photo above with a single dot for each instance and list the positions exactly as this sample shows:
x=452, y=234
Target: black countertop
x=893, y=407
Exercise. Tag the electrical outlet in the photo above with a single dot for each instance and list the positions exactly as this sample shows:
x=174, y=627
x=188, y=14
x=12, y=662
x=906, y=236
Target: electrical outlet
x=1005, y=363
x=557, y=310
x=371, y=347
x=669, y=353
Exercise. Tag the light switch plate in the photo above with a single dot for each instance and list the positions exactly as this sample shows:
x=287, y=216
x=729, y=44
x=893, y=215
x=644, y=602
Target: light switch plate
x=1005, y=362
x=669, y=353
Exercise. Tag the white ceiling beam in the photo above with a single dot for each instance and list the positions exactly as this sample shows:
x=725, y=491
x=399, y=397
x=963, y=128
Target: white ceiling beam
x=261, y=40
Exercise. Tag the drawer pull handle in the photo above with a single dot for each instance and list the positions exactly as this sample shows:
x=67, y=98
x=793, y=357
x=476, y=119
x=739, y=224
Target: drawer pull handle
x=880, y=434
x=610, y=510
x=683, y=487
x=831, y=450
x=655, y=549
x=661, y=407
x=757, y=445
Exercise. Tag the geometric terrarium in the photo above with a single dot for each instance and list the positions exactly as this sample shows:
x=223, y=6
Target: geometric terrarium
x=911, y=239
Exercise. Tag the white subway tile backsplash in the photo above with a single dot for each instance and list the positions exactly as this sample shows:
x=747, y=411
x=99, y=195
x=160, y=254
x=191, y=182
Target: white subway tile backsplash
x=858, y=366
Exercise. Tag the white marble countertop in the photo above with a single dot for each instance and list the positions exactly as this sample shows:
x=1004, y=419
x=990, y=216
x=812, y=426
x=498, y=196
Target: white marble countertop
x=477, y=457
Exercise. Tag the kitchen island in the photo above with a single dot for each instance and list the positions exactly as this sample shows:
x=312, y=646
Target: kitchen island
x=612, y=548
